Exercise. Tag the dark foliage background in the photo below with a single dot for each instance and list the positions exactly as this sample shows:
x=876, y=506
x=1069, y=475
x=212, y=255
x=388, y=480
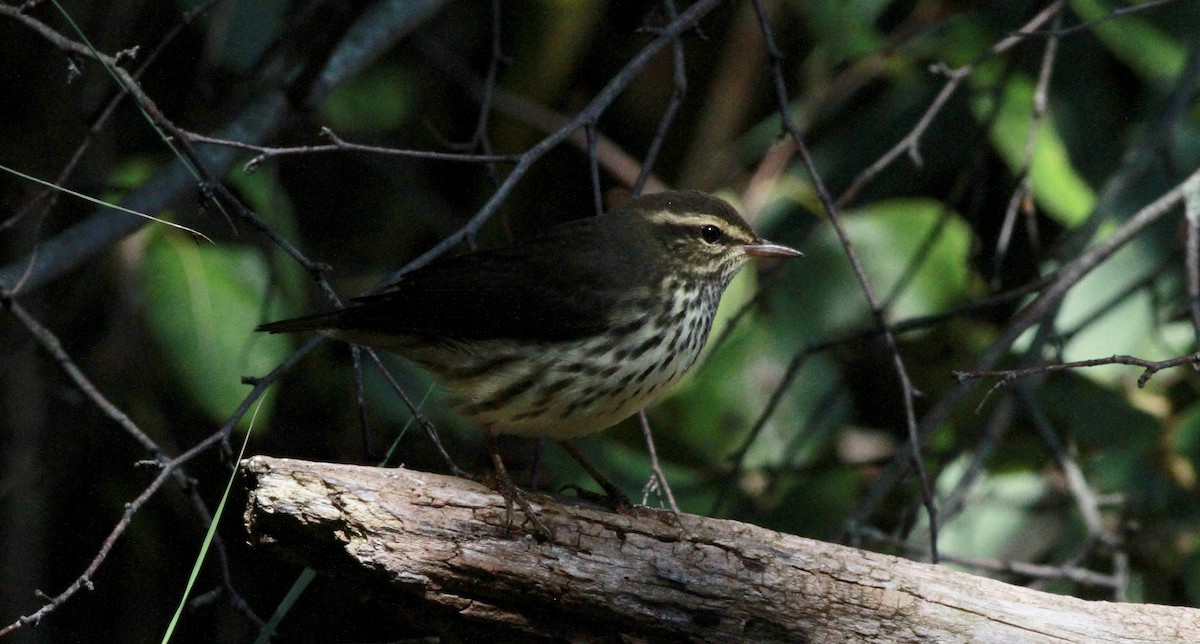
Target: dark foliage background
x=1078, y=481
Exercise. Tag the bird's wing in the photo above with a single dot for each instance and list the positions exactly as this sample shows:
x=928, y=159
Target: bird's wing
x=563, y=285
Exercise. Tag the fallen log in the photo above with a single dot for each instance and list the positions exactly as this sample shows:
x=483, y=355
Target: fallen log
x=436, y=549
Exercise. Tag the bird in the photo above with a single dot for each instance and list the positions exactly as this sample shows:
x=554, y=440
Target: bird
x=568, y=332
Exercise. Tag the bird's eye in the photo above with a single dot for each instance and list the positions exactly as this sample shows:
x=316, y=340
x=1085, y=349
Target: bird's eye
x=710, y=233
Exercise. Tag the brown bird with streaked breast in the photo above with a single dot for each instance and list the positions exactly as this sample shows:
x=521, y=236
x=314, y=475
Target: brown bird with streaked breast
x=569, y=332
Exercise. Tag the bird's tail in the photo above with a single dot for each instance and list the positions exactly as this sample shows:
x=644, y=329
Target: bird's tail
x=314, y=322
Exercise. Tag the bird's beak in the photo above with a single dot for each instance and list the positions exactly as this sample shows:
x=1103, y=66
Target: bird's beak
x=767, y=249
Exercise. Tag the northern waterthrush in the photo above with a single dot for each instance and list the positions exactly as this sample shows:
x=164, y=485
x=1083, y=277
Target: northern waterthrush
x=569, y=332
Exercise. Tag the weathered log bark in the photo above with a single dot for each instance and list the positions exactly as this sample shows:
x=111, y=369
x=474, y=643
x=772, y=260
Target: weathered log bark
x=435, y=548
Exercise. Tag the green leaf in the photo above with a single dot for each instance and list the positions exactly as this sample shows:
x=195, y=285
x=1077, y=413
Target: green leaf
x=1096, y=327
x=378, y=100
x=249, y=29
x=129, y=174
x=726, y=395
x=889, y=236
x=554, y=37
x=201, y=304
x=264, y=194
x=727, y=392
x=1185, y=435
x=1005, y=515
x=1147, y=51
x=1058, y=187
x=847, y=29
x=1095, y=416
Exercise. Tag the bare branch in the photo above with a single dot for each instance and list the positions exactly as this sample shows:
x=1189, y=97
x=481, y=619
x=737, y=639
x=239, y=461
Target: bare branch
x=859, y=272
x=954, y=77
x=1151, y=367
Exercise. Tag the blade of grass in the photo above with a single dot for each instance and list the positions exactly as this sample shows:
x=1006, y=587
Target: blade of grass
x=289, y=600
x=101, y=202
x=103, y=60
x=212, y=531
x=404, y=430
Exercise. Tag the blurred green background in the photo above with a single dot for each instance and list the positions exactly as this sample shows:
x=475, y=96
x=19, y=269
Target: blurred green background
x=163, y=324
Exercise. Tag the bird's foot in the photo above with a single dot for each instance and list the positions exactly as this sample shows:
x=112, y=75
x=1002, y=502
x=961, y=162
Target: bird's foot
x=512, y=494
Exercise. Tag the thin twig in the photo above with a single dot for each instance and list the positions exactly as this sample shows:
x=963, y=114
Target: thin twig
x=739, y=455
x=424, y=422
x=1191, y=210
x=98, y=124
x=482, y=138
x=594, y=169
x=855, y=336
x=658, y=480
x=1085, y=498
x=170, y=468
x=51, y=344
x=1023, y=193
x=1039, y=309
x=954, y=77
x=1115, y=300
x=84, y=580
x=678, y=92
x=860, y=273
x=360, y=401
x=266, y=153
x=623, y=167
x=1151, y=367
x=997, y=426
x=589, y=114
x=81, y=242
x=1111, y=15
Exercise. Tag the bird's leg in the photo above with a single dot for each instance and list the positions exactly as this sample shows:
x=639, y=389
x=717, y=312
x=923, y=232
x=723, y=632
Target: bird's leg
x=510, y=492
x=616, y=498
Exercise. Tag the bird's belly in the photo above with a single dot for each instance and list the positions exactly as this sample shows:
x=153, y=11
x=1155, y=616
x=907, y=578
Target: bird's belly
x=575, y=389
